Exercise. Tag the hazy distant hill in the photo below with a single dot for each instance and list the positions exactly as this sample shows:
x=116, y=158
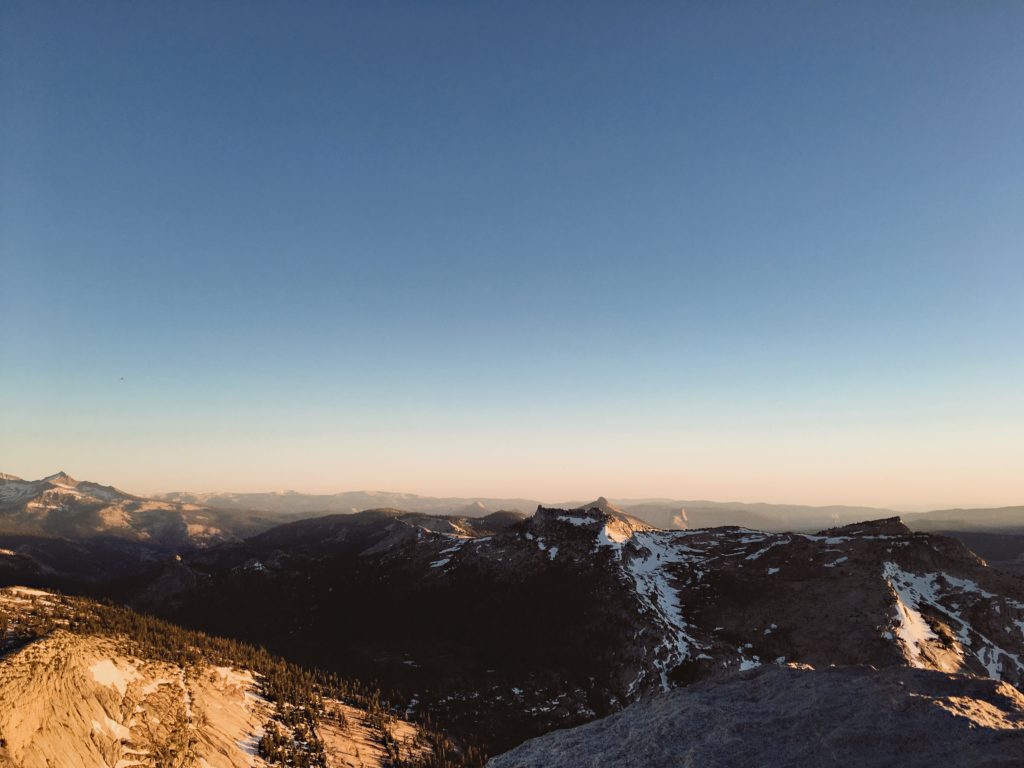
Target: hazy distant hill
x=992, y=520
x=308, y=504
x=767, y=517
x=664, y=513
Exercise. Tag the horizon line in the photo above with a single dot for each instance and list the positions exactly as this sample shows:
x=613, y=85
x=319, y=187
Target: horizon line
x=903, y=508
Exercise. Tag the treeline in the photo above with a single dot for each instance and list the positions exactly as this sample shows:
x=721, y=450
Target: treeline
x=297, y=693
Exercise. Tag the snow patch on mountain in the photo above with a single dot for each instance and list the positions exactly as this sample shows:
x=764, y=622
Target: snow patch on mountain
x=912, y=630
x=107, y=672
x=617, y=530
x=15, y=490
x=650, y=555
x=942, y=594
x=575, y=520
x=760, y=552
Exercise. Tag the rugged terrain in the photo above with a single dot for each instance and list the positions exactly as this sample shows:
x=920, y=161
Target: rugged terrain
x=501, y=627
x=60, y=506
x=73, y=534
x=784, y=717
x=84, y=685
x=506, y=628
x=661, y=513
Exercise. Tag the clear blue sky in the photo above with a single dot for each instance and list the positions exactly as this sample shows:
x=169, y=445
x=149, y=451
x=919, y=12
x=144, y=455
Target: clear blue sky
x=767, y=251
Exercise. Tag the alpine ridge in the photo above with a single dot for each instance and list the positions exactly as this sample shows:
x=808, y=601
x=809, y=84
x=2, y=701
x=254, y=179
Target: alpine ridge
x=68, y=533
x=513, y=628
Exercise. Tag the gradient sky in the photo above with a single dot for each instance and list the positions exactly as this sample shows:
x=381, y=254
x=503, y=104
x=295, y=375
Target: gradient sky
x=754, y=251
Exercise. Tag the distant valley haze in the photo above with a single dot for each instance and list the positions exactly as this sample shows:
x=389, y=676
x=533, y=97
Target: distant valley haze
x=468, y=493
x=70, y=497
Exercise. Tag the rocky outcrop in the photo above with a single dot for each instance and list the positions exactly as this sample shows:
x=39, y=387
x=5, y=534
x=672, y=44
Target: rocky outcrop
x=77, y=693
x=889, y=526
x=782, y=716
x=81, y=701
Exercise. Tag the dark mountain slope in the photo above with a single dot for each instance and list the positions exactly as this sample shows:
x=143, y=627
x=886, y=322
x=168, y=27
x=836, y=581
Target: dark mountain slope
x=1004, y=551
x=378, y=594
x=508, y=632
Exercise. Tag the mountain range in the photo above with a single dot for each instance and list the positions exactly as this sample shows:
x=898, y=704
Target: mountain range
x=56, y=505
x=60, y=506
x=536, y=623
x=664, y=513
x=498, y=627
x=46, y=519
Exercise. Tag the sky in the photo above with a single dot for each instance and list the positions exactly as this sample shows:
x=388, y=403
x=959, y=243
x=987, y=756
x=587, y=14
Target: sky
x=737, y=251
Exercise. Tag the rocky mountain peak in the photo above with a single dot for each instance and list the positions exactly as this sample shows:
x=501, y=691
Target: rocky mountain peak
x=600, y=511
x=546, y=517
x=60, y=478
x=889, y=526
x=603, y=505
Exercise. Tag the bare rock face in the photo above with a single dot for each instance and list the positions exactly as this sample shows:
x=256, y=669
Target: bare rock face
x=784, y=716
x=68, y=700
x=77, y=693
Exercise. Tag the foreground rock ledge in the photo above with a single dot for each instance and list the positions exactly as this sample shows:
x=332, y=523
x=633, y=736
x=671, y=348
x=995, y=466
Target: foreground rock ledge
x=782, y=716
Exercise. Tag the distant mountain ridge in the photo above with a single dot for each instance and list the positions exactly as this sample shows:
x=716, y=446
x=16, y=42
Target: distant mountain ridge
x=296, y=504
x=66, y=533
x=61, y=506
x=58, y=530
x=990, y=519
x=664, y=513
